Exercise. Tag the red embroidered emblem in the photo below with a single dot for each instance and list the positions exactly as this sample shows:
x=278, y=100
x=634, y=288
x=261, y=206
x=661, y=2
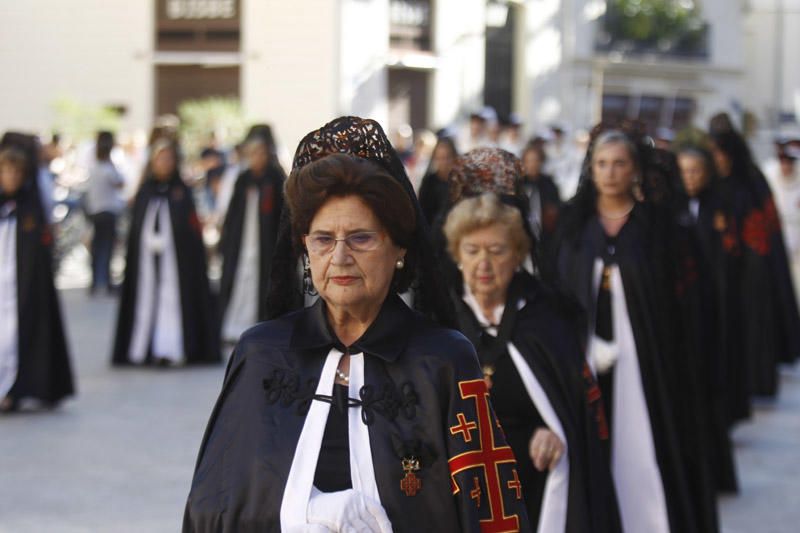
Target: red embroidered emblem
x=730, y=239
x=476, y=492
x=595, y=399
x=464, y=427
x=47, y=237
x=410, y=484
x=515, y=485
x=267, y=199
x=754, y=232
x=194, y=223
x=488, y=457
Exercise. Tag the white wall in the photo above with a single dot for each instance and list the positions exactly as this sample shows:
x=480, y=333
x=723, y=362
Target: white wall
x=459, y=42
x=97, y=52
x=363, y=52
x=290, y=70
x=762, y=62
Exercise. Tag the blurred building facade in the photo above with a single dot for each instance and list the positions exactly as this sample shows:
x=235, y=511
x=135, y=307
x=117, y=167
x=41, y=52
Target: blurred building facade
x=425, y=63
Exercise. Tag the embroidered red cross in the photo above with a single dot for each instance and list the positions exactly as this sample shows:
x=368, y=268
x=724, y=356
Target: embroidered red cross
x=488, y=457
x=464, y=427
x=475, y=493
x=515, y=485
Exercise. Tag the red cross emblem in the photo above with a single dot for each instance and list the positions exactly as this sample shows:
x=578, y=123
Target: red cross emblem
x=475, y=493
x=515, y=485
x=488, y=457
x=464, y=427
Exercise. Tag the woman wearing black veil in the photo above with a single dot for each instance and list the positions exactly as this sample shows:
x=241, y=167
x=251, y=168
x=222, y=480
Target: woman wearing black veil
x=706, y=212
x=618, y=252
x=770, y=322
x=356, y=413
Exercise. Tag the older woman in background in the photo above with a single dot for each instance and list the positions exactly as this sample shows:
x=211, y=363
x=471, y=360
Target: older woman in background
x=527, y=339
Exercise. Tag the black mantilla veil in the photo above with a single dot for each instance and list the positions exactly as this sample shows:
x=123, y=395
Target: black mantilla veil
x=363, y=138
x=657, y=170
x=488, y=170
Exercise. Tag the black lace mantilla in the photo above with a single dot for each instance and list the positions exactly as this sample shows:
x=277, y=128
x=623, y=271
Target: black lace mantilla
x=348, y=135
x=284, y=387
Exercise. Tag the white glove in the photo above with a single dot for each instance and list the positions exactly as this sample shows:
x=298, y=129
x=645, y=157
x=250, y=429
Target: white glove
x=604, y=354
x=346, y=511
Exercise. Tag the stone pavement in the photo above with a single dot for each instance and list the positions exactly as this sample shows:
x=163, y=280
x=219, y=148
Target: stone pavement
x=119, y=457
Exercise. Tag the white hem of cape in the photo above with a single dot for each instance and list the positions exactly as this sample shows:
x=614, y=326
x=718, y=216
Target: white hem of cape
x=9, y=311
x=242, y=311
x=634, y=466
x=164, y=331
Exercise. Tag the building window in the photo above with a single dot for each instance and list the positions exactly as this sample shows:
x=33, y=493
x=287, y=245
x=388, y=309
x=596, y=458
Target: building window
x=191, y=25
x=410, y=24
x=654, y=111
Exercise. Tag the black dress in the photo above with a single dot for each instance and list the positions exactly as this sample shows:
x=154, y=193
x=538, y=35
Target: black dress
x=424, y=397
x=199, y=316
x=543, y=326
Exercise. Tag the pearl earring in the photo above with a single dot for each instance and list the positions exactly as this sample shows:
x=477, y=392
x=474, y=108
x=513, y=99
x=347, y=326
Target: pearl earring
x=400, y=264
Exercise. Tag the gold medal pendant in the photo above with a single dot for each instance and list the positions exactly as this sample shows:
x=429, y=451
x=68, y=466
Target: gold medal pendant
x=410, y=484
x=488, y=372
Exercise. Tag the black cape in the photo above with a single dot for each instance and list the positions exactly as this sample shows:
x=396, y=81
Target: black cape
x=545, y=331
x=724, y=383
x=270, y=206
x=651, y=262
x=769, y=317
x=200, y=330
x=44, y=371
x=420, y=380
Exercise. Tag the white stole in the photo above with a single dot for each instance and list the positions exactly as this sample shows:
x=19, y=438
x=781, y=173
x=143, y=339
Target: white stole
x=300, y=482
x=555, y=500
x=242, y=310
x=634, y=467
x=158, y=314
x=9, y=313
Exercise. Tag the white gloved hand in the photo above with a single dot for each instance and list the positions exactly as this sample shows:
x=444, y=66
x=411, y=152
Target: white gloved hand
x=346, y=511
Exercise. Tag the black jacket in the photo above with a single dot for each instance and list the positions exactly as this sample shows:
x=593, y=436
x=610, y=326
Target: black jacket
x=422, y=383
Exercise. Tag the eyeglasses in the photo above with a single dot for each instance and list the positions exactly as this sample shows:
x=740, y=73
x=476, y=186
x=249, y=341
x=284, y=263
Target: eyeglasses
x=362, y=241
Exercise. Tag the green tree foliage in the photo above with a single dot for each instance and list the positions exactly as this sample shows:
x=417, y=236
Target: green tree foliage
x=201, y=118
x=657, y=24
x=79, y=121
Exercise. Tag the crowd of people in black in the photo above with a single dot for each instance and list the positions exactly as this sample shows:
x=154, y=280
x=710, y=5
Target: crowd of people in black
x=476, y=353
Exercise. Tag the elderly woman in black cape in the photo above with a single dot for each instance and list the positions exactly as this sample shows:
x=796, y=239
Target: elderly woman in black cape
x=356, y=413
x=634, y=272
x=527, y=339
